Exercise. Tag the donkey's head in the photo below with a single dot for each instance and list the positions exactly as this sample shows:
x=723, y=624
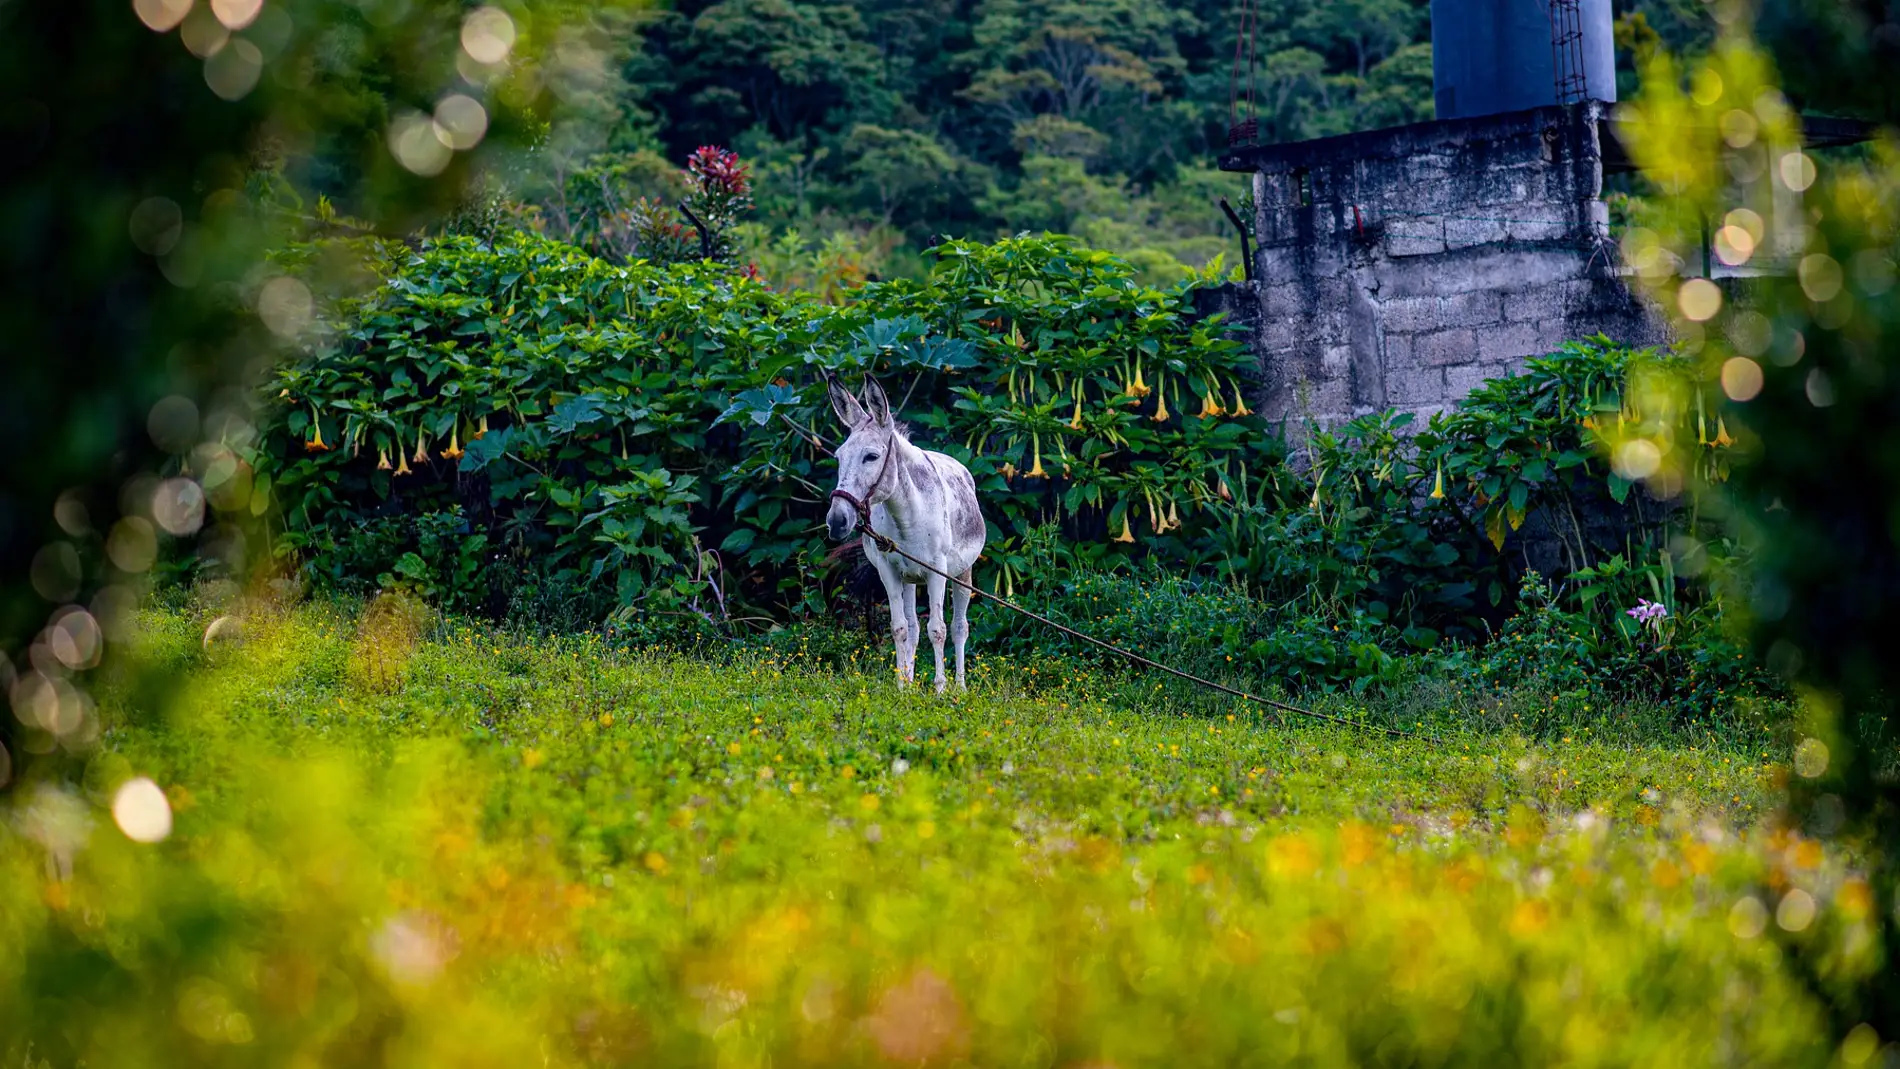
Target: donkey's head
x=866, y=474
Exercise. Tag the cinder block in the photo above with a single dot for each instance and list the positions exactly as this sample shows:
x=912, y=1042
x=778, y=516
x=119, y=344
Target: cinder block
x=1470, y=309
x=1445, y=347
x=1511, y=341
x=1398, y=350
x=1414, y=237
x=1460, y=381
x=1415, y=385
x=1409, y=314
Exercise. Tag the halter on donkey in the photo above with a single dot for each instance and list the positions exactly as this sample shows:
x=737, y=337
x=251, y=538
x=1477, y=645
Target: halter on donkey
x=922, y=502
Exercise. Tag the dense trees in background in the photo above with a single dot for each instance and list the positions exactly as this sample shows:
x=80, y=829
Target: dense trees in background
x=880, y=125
x=874, y=127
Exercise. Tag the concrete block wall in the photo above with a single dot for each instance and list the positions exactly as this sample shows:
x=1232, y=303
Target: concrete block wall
x=1400, y=268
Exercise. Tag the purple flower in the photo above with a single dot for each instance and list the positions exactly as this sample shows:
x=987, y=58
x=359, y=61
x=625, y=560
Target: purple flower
x=1648, y=612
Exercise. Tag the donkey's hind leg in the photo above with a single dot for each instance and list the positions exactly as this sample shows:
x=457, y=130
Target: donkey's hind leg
x=960, y=618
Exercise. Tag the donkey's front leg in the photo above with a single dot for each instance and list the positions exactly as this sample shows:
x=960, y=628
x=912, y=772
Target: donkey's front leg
x=908, y=668
x=903, y=631
x=939, y=630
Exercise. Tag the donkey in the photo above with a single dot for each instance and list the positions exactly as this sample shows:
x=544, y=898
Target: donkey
x=925, y=502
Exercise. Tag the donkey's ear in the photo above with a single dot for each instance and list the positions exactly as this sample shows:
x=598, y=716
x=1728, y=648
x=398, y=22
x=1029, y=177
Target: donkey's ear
x=876, y=403
x=843, y=405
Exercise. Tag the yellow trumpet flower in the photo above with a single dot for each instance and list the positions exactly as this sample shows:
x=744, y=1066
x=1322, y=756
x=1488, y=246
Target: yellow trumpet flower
x=402, y=460
x=382, y=460
x=480, y=430
x=1128, y=532
x=1161, y=410
x=1075, y=421
x=316, y=444
x=1008, y=470
x=1210, y=406
x=1721, y=434
x=1438, y=487
x=1240, y=403
x=1138, y=388
x=1174, y=515
x=454, y=451
x=422, y=454
x=1036, y=471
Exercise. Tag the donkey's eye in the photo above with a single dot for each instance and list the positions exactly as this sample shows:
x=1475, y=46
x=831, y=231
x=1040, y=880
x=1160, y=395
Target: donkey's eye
x=869, y=457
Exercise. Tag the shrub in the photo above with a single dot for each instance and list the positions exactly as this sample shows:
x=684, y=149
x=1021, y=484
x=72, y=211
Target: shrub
x=645, y=431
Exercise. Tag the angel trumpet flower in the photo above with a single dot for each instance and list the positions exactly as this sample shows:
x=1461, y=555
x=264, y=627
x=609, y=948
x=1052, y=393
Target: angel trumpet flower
x=480, y=430
x=454, y=451
x=1138, y=388
x=1035, y=471
x=1128, y=532
x=1240, y=403
x=1161, y=410
x=1438, y=487
x=316, y=444
x=382, y=460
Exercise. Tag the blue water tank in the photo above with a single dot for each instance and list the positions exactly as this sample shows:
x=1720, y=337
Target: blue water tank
x=1490, y=56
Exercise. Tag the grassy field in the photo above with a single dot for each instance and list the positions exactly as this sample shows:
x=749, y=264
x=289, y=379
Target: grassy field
x=441, y=845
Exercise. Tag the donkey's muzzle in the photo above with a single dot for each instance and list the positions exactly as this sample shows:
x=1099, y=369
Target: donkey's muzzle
x=839, y=521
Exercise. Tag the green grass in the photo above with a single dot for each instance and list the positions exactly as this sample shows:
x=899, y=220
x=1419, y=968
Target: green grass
x=476, y=848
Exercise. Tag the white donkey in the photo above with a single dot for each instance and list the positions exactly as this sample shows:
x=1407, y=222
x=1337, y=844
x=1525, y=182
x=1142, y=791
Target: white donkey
x=925, y=502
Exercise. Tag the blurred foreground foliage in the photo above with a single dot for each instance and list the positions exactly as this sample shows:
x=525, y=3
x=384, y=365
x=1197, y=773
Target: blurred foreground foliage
x=1805, y=343
x=155, y=152
x=550, y=850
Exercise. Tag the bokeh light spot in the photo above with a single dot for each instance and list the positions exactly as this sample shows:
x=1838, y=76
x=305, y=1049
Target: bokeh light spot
x=417, y=144
x=1797, y=171
x=1741, y=378
x=1699, y=299
x=1747, y=918
x=1733, y=245
x=233, y=72
x=1638, y=458
x=75, y=639
x=1874, y=272
x=1750, y=332
x=179, y=506
x=141, y=811
x=1706, y=87
x=133, y=545
x=1820, y=388
x=236, y=14
x=1796, y=911
x=1810, y=758
x=462, y=120
x=55, y=572
x=488, y=35
x=173, y=424
x=203, y=34
x=156, y=225
x=1820, y=276
x=161, y=15
x=1739, y=128
x=285, y=305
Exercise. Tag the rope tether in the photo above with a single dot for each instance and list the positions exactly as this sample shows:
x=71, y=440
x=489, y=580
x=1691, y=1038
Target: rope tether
x=887, y=545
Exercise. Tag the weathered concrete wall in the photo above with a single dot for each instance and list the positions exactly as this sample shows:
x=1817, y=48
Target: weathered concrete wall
x=1400, y=268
